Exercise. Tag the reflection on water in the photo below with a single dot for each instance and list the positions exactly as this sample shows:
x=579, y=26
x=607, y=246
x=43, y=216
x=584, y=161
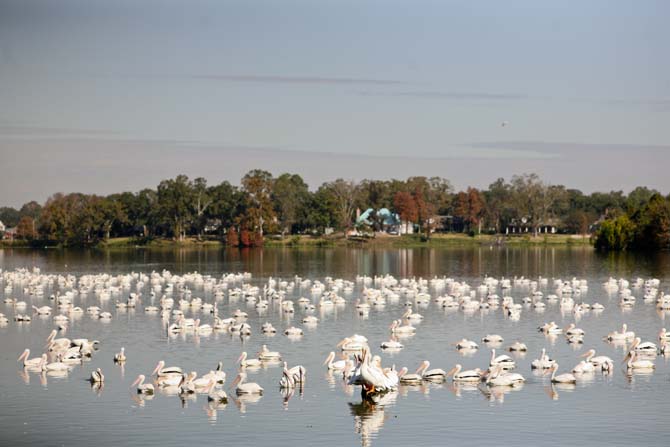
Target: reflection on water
x=369, y=415
x=468, y=262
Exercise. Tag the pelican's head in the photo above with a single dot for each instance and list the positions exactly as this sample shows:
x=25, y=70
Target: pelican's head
x=242, y=357
x=454, y=370
x=160, y=366
x=589, y=353
x=24, y=355
x=139, y=380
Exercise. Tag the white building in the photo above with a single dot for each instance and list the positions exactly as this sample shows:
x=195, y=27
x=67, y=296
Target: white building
x=2, y=227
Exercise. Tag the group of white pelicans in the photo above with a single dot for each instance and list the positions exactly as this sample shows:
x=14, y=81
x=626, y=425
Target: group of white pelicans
x=357, y=365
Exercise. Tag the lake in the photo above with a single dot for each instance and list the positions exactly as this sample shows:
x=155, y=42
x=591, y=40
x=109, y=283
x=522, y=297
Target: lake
x=604, y=409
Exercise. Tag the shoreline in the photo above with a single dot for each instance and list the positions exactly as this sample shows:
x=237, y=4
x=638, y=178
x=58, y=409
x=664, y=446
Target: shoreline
x=380, y=241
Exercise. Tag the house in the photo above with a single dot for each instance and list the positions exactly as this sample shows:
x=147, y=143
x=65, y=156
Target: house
x=389, y=222
x=8, y=234
x=2, y=227
x=524, y=226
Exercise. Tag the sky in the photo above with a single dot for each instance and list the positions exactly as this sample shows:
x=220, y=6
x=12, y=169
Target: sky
x=108, y=96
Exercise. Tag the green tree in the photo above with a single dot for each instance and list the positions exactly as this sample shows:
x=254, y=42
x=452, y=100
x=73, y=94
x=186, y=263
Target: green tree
x=653, y=224
x=9, y=216
x=290, y=194
x=615, y=234
x=227, y=204
x=175, y=204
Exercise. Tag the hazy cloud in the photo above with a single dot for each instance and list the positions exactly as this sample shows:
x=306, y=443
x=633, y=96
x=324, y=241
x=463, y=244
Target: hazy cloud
x=571, y=148
x=461, y=96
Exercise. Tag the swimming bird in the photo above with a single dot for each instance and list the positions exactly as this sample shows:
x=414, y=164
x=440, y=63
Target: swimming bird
x=214, y=395
x=97, y=376
x=120, y=357
x=471, y=375
x=244, y=387
x=143, y=388
x=161, y=370
x=29, y=363
x=267, y=355
x=436, y=374
x=248, y=363
x=337, y=365
x=544, y=362
x=561, y=378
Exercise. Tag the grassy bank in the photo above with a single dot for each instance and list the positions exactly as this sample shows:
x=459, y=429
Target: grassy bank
x=381, y=240
x=436, y=240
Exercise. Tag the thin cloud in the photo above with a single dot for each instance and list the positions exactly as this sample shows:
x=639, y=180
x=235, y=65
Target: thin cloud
x=460, y=96
x=9, y=130
x=567, y=147
x=273, y=79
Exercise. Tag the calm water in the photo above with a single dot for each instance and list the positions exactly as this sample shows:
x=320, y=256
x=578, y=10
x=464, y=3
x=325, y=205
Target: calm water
x=607, y=410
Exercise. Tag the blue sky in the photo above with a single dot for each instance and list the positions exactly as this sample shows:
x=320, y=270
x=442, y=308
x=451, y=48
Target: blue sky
x=106, y=96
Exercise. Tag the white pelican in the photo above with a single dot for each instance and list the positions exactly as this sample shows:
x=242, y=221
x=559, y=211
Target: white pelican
x=202, y=329
x=471, y=375
x=412, y=316
x=120, y=357
x=497, y=378
x=248, y=363
x=29, y=363
x=625, y=334
x=55, y=366
x=161, y=370
x=286, y=382
x=602, y=361
x=97, y=376
x=267, y=355
x=171, y=380
x=664, y=335
x=337, y=365
x=503, y=360
x=436, y=374
x=44, y=310
x=218, y=375
x=466, y=344
x=492, y=338
x=562, y=378
x=646, y=347
x=296, y=373
x=409, y=379
x=572, y=330
x=544, y=362
x=57, y=344
x=268, y=328
x=351, y=344
x=398, y=328
x=632, y=362
x=584, y=367
x=373, y=378
x=295, y=331
x=143, y=388
x=550, y=328
x=518, y=346
x=393, y=343
x=244, y=387
x=198, y=383
x=214, y=395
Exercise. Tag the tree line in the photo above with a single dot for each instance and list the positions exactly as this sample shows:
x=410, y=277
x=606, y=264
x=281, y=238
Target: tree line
x=263, y=204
